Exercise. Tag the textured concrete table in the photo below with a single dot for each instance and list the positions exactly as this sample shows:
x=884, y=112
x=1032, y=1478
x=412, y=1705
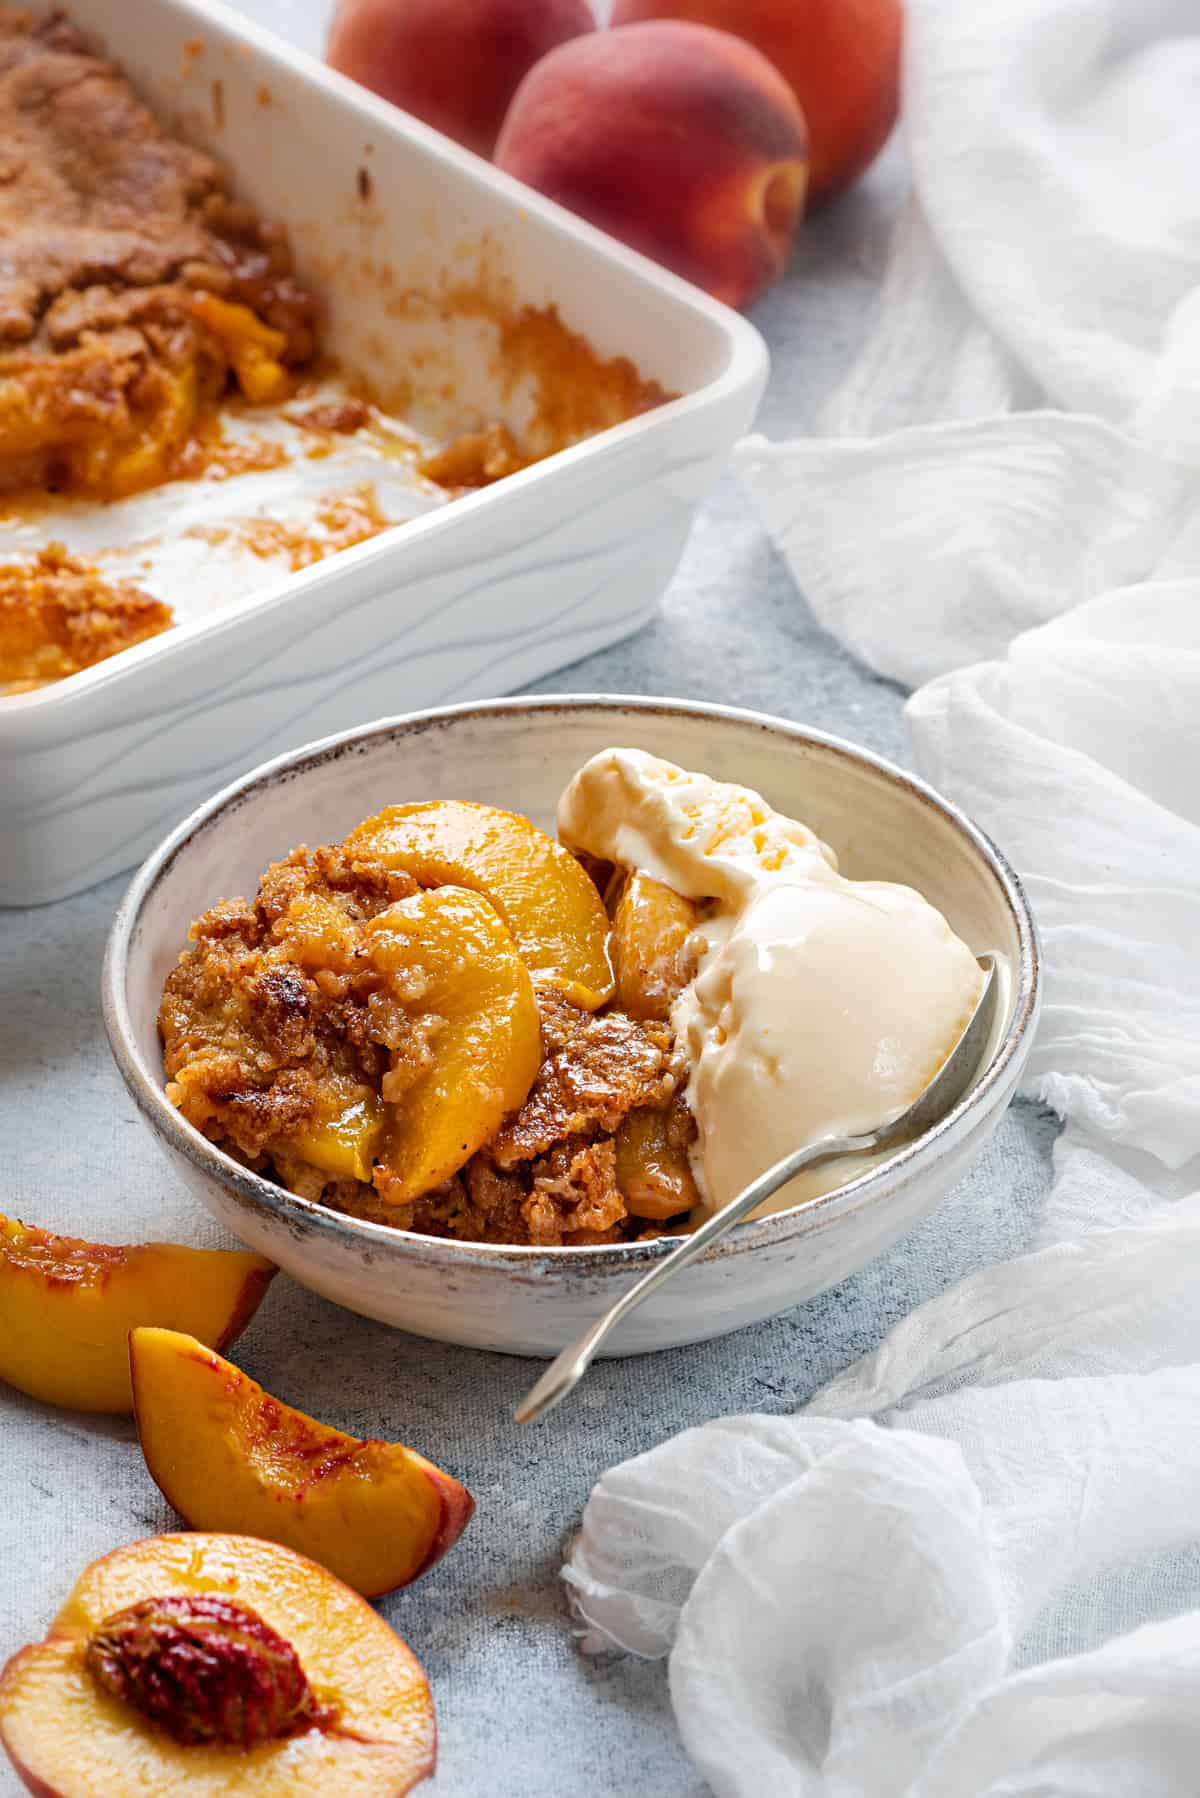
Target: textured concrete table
x=519, y=1710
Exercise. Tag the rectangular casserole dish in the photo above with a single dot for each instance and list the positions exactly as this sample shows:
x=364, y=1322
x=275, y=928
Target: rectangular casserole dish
x=417, y=249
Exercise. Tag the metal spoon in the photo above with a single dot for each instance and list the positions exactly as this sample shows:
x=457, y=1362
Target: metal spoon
x=940, y=1096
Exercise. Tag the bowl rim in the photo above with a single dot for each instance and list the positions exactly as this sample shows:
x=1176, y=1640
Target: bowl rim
x=307, y=1216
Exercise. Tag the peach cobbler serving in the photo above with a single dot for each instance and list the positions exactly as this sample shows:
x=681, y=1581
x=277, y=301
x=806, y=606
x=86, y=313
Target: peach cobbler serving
x=421, y=1025
x=452, y=1023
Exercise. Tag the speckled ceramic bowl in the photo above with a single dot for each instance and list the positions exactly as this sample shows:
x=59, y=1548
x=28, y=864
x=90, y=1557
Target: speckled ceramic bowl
x=519, y=753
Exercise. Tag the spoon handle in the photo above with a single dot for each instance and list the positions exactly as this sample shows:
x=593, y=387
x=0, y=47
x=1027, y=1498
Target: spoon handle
x=568, y=1368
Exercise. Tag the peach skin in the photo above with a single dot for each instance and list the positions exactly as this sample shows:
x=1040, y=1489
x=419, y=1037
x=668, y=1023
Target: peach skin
x=841, y=57
x=228, y=1456
x=682, y=141
x=454, y=63
x=207, y=1664
x=67, y=1307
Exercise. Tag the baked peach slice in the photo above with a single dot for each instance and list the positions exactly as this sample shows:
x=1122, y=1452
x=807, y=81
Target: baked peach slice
x=546, y=899
x=214, y=1664
x=468, y=1039
x=67, y=1307
x=651, y=924
x=345, y=1131
x=228, y=1456
x=653, y=1170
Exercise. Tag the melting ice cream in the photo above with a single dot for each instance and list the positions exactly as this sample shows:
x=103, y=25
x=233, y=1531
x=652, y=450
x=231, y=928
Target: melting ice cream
x=818, y=1004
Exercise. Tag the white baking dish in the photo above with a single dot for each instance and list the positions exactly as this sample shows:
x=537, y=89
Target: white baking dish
x=477, y=597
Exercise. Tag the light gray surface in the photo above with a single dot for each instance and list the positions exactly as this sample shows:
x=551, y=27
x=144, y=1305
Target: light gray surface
x=519, y=1710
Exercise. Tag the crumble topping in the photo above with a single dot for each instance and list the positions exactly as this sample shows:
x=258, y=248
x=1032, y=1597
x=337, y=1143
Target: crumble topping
x=57, y=615
x=596, y=1068
x=134, y=290
x=266, y=1008
x=275, y=1018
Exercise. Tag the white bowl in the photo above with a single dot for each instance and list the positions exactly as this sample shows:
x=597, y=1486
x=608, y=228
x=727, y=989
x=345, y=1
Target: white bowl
x=519, y=754
x=390, y=222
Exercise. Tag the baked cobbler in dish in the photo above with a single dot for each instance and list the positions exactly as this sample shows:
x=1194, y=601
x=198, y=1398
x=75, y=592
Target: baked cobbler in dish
x=135, y=291
x=154, y=330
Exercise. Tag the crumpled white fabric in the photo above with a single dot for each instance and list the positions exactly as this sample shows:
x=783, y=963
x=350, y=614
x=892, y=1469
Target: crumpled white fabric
x=1022, y=431
x=971, y=1565
x=1080, y=753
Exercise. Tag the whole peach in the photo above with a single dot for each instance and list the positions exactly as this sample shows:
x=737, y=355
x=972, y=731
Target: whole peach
x=682, y=141
x=454, y=63
x=842, y=58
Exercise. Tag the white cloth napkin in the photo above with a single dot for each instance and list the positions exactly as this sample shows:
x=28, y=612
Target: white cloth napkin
x=971, y=1565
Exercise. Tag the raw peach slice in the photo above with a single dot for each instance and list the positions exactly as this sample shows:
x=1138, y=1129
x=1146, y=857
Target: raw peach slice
x=228, y=1456
x=468, y=1040
x=651, y=924
x=551, y=907
x=67, y=1307
x=211, y=1664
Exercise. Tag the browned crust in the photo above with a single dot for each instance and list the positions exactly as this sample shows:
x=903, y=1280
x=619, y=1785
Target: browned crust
x=120, y=247
x=57, y=615
x=268, y=1014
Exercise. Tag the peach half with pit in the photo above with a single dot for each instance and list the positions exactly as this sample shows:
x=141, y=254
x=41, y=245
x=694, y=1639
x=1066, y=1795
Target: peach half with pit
x=229, y=1457
x=67, y=1307
x=207, y=1664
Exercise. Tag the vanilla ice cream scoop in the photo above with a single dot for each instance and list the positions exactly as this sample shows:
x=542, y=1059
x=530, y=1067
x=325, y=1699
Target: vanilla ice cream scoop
x=705, y=838
x=819, y=1004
